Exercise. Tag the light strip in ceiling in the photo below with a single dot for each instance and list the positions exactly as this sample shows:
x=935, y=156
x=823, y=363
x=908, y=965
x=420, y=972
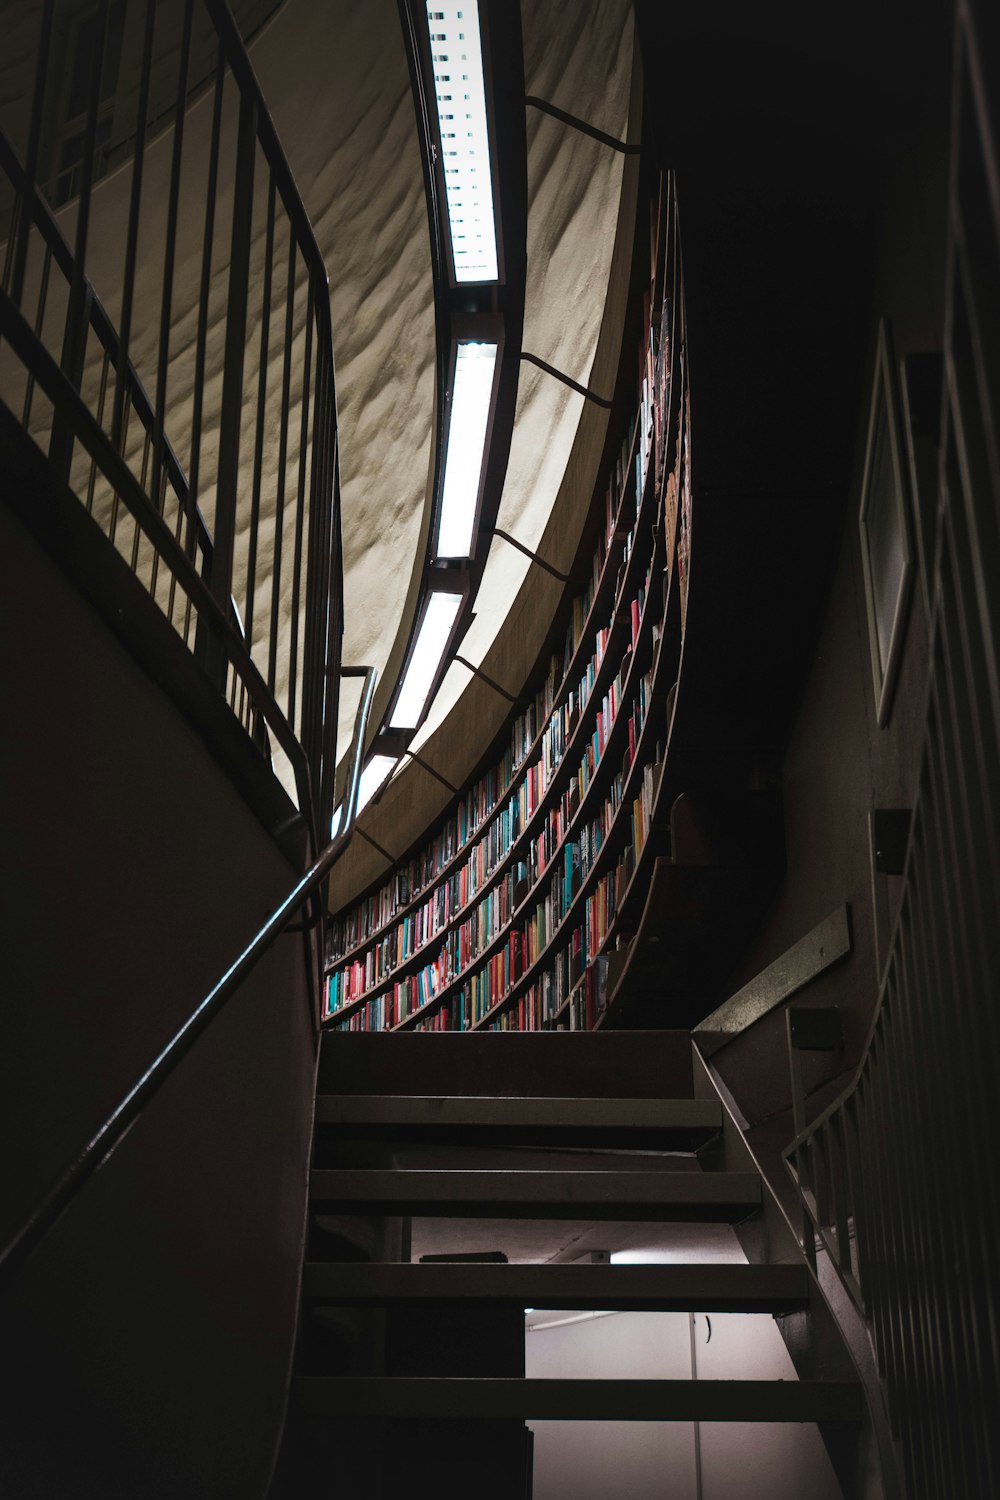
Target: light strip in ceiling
x=428, y=651
x=374, y=776
x=475, y=366
x=460, y=91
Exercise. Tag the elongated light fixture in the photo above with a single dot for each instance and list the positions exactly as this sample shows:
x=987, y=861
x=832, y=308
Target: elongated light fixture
x=374, y=776
x=440, y=614
x=475, y=365
x=460, y=91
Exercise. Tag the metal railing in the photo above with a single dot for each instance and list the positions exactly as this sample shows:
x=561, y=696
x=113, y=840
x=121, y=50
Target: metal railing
x=99, y=1148
x=898, y=1177
x=166, y=339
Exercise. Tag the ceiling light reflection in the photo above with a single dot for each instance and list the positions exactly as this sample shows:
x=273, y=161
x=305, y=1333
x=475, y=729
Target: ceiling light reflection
x=475, y=365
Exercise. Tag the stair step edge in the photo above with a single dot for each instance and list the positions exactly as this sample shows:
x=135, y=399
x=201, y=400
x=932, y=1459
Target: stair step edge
x=421, y=1398
x=687, y=1287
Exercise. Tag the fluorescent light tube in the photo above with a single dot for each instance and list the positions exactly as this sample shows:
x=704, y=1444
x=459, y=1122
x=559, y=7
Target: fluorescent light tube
x=429, y=647
x=460, y=90
x=475, y=365
x=374, y=776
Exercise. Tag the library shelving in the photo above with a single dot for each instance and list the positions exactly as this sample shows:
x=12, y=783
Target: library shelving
x=508, y=914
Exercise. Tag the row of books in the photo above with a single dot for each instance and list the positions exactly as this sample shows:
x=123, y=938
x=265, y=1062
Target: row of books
x=418, y=928
x=362, y=921
x=465, y=943
x=531, y=951
x=485, y=924
x=572, y=993
x=487, y=989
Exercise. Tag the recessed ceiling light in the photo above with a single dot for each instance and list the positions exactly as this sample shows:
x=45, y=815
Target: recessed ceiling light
x=440, y=614
x=460, y=91
x=475, y=366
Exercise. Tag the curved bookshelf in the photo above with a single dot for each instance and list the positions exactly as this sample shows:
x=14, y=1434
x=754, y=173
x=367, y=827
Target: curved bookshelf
x=578, y=820
x=598, y=870
x=502, y=918
x=586, y=631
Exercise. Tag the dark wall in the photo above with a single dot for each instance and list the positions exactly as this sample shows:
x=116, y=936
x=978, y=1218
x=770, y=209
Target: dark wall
x=811, y=152
x=839, y=764
x=146, y=1345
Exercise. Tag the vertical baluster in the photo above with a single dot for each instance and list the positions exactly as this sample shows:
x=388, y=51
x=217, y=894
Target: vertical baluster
x=142, y=480
x=102, y=395
x=159, y=500
x=230, y=420
x=946, y=1137
x=203, y=299
x=279, y=505
x=950, y=1178
x=875, y=1139
x=258, y=453
x=116, y=502
x=169, y=252
x=123, y=372
x=318, y=689
x=858, y=1200
x=331, y=655
x=12, y=238
x=43, y=292
x=78, y=309
x=26, y=198
x=300, y=515
x=840, y=1193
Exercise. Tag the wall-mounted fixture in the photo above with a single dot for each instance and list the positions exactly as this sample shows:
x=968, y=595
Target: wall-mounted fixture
x=427, y=653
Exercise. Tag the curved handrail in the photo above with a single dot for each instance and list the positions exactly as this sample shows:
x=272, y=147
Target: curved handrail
x=112, y=1131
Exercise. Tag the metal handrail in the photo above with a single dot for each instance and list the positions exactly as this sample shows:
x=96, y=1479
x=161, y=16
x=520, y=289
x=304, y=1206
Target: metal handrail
x=18, y=333
x=111, y=1133
x=302, y=711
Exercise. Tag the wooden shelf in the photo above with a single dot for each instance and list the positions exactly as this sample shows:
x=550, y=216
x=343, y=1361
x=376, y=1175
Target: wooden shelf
x=620, y=631
x=568, y=681
x=690, y=912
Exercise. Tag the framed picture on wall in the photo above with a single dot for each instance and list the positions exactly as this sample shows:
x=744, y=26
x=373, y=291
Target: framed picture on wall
x=886, y=535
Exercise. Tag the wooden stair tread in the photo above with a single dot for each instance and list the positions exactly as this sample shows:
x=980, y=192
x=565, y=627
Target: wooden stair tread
x=654, y=1288
x=512, y=1193
x=686, y=1122
x=427, y=1397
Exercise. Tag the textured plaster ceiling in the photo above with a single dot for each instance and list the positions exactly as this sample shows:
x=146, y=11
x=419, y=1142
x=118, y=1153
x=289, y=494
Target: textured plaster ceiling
x=577, y=57
x=335, y=78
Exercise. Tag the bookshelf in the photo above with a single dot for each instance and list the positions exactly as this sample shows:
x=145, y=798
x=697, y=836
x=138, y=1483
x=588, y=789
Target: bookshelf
x=506, y=915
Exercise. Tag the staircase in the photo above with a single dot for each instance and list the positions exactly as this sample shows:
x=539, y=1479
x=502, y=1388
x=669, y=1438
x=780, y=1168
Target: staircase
x=412, y=1372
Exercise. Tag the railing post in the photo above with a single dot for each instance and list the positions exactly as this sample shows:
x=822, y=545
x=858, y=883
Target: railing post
x=230, y=423
x=321, y=669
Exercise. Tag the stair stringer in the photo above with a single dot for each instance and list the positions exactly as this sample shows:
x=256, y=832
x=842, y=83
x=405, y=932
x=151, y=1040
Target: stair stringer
x=862, y=1456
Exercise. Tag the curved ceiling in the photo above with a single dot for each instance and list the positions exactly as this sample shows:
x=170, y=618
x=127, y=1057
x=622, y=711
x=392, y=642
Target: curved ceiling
x=338, y=86
x=336, y=79
x=579, y=58
x=337, y=82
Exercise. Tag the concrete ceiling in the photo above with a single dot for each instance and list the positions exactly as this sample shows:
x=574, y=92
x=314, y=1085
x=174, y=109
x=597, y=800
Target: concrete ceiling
x=335, y=76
